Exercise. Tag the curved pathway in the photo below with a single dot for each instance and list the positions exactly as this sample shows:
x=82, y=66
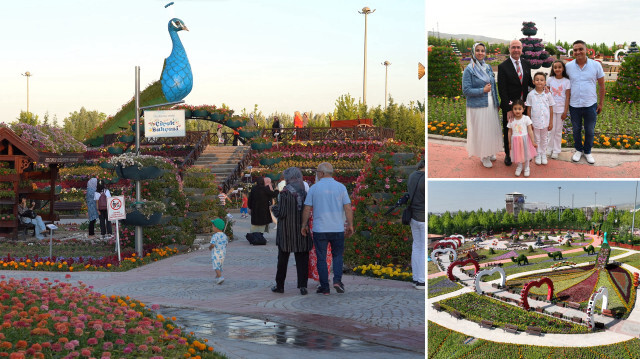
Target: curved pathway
x=617, y=330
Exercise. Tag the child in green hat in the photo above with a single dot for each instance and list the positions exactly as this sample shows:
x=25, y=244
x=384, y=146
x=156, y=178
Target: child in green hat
x=218, y=248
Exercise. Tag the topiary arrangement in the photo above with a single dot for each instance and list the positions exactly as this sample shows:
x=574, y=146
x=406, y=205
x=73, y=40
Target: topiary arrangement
x=627, y=87
x=445, y=73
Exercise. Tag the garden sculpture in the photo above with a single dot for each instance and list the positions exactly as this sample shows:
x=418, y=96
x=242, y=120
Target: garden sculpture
x=443, y=251
x=524, y=294
x=176, y=78
x=603, y=293
x=485, y=272
x=520, y=260
x=589, y=249
x=555, y=255
x=462, y=263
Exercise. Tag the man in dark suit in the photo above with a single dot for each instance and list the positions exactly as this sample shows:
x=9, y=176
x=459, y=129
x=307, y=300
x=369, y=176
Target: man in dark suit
x=514, y=80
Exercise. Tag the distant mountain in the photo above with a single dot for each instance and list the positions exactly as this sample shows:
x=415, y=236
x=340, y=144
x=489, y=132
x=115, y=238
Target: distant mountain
x=489, y=40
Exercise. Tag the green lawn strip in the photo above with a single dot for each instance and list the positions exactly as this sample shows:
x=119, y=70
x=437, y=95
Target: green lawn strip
x=453, y=347
x=65, y=249
x=432, y=268
x=632, y=260
x=476, y=308
x=440, y=291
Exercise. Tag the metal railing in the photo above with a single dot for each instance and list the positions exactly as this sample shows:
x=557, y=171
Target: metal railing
x=200, y=145
x=237, y=172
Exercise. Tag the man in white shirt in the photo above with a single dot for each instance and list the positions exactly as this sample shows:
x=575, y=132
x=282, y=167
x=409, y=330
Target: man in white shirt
x=584, y=105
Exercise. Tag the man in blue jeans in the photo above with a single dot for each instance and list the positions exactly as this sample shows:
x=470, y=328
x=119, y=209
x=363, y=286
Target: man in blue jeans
x=584, y=74
x=331, y=207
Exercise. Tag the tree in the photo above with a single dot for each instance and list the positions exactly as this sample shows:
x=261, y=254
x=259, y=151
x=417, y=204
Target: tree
x=435, y=224
x=525, y=218
x=28, y=117
x=347, y=109
x=45, y=118
x=79, y=123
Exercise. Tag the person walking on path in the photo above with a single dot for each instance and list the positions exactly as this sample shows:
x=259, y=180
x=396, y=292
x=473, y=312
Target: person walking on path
x=244, y=210
x=417, y=197
x=218, y=248
x=584, y=105
x=275, y=128
x=102, y=196
x=92, y=210
x=514, y=80
x=331, y=205
x=259, y=203
x=483, y=123
x=289, y=236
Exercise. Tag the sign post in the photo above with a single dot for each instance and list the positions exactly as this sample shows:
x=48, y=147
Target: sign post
x=115, y=212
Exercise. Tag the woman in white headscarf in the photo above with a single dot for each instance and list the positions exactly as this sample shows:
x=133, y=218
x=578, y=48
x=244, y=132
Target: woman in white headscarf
x=91, y=205
x=484, y=134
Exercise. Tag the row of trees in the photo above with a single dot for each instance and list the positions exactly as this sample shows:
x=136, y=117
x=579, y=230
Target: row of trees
x=498, y=221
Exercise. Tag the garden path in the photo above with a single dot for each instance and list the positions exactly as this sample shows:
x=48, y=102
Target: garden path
x=448, y=159
x=242, y=318
x=617, y=330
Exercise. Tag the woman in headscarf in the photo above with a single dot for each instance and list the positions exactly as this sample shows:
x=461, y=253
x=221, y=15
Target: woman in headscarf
x=92, y=209
x=288, y=236
x=484, y=135
x=260, y=199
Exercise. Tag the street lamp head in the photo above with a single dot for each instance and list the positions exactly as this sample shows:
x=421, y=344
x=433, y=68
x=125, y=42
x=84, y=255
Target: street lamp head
x=366, y=10
x=386, y=63
x=27, y=74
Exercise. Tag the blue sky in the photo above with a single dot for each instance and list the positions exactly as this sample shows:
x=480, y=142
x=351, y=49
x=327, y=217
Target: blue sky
x=589, y=20
x=283, y=55
x=470, y=195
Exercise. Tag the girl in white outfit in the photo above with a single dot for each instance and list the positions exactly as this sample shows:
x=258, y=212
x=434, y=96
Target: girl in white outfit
x=560, y=88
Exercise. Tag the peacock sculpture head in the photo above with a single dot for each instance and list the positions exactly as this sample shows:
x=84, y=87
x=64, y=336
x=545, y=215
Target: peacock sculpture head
x=176, y=78
x=176, y=25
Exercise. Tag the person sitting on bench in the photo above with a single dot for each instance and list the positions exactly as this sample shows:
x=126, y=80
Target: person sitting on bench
x=27, y=215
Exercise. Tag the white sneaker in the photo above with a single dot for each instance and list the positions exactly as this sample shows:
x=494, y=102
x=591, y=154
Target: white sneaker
x=487, y=162
x=518, y=170
x=576, y=156
x=527, y=171
x=544, y=159
x=538, y=160
x=219, y=280
x=493, y=158
x=590, y=158
x=554, y=156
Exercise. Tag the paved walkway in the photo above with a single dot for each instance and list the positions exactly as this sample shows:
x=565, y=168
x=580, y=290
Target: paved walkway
x=617, y=330
x=242, y=318
x=448, y=159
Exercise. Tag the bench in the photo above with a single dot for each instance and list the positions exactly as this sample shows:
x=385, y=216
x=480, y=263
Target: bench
x=576, y=319
x=437, y=307
x=607, y=312
x=557, y=314
x=486, y=324
x=510, y=328
x=572, y=305
x=534, y=330
x=68, y=206
x=456, y=314
x=26, y=227
x=475, y=256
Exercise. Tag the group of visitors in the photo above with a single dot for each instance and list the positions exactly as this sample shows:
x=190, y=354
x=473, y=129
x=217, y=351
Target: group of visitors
x=569, y=90
x=97, y=195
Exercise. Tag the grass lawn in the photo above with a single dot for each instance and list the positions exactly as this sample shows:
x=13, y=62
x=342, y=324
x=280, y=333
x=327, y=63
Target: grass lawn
x=445, y=343
x=432, y=268
x=67, y=249
x=441, y=285
x=632, y=260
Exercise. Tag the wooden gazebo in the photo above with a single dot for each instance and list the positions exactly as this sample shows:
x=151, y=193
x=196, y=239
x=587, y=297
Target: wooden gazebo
x=18, y=159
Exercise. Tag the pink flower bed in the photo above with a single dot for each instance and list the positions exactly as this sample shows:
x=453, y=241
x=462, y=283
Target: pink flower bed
x=506, y=255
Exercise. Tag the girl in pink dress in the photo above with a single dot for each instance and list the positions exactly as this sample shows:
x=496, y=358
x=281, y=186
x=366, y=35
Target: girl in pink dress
x=523, y=145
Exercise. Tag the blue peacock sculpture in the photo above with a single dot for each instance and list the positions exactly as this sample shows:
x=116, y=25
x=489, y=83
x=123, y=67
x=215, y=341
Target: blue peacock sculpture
x=176, y=78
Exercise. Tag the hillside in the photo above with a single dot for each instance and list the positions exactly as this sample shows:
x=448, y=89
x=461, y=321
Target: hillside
x=489, y=40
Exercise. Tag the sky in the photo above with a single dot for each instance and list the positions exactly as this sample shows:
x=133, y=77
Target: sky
x=471, y=195
x=592, y=21
x=284, y=55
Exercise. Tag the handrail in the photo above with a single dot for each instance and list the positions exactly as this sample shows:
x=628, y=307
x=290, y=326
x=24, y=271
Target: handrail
x=195, y=152
x=226, y=185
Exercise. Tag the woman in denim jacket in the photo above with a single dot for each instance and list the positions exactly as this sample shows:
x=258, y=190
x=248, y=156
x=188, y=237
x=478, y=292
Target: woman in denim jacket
x=484, y=135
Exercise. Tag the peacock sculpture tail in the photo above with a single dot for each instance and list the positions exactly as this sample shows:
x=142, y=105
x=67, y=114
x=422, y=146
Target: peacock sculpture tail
x=176, y=78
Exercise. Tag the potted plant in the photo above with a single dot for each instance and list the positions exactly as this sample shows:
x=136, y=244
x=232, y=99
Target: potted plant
x=249, y=132
x=220, y=114
x=236, y=121
x=138, y=167
x=132, y=123
x=529, y=28
x=144, y=213
x=547, y=62
x=535, y=64
x=260, y=144
x=117, y=148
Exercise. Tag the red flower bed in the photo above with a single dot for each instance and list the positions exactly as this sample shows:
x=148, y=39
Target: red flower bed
x=581, y=291
x=623, y=282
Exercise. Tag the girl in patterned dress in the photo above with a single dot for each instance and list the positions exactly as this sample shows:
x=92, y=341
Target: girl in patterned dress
x=218, y=248
x=523, y=145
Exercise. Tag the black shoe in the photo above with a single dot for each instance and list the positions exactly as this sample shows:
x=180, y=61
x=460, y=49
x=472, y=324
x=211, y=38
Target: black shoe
x=507, y=161
x=303, y=291
x=275, y=289
x=323, y=291
x=419, y=285
x=339, y=287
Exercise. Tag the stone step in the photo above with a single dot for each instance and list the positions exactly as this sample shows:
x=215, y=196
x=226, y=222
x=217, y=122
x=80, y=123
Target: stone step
x=226, y=149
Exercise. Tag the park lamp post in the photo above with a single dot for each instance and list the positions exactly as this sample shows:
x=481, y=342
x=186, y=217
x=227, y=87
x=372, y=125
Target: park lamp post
x=386, y=75
x=559, y=188
x=27, y=74
x=366, y=11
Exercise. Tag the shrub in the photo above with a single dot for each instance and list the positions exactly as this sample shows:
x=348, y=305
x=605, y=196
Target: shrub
x=445, y=73
x=627, y=87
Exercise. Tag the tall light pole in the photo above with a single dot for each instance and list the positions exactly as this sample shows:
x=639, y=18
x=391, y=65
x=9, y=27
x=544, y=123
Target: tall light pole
x=27, y=75
x=366, y=11
x=559, y=188
x=386, y=74
x=555, y=32
x=595, y=201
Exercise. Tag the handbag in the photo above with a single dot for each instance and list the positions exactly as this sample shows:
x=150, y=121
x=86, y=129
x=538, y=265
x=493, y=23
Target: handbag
x=29, y=214
x=407, y=214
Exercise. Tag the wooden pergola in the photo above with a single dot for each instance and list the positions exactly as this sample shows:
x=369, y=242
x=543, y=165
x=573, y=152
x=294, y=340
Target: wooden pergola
x=22, y=157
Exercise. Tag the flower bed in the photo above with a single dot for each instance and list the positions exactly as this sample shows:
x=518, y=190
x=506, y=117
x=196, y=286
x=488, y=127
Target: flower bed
x=581, y=291
x=53, y=319
x=505, y=256
x=387, y=272
x=476, y=307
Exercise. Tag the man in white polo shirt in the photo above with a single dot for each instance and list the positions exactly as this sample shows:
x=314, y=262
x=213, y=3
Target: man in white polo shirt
x=584, y=105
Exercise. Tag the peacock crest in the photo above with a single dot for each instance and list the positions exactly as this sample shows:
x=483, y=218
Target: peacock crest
x=176, y=78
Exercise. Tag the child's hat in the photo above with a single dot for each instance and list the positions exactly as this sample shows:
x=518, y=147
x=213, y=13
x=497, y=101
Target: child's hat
x=218, y=223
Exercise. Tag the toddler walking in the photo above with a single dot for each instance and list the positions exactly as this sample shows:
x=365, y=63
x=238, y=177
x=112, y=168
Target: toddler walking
x=218, y=248
x=560, y=87
x=541, y=113
x=523, y=145
x=244, y=210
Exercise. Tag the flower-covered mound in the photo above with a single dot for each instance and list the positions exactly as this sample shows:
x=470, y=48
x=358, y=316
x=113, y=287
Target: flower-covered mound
x=53, y=319
x=46, y=138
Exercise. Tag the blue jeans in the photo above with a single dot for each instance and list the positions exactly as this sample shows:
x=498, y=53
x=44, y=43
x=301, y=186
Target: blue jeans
x=40, y=227
x=320, y=241
x=589, y=115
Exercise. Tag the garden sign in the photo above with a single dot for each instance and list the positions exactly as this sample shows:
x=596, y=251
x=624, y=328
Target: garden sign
x=164, y=123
